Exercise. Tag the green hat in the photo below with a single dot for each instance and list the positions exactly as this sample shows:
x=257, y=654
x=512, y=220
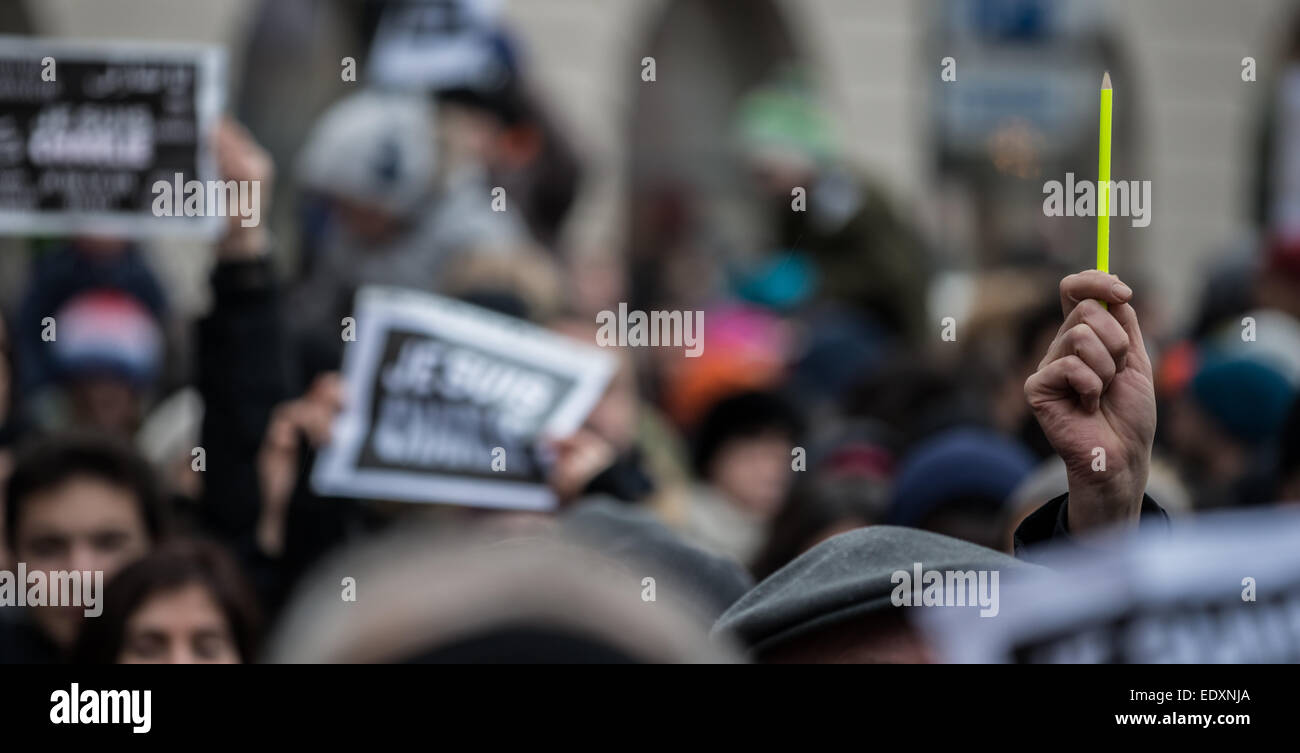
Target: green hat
x=784, y=115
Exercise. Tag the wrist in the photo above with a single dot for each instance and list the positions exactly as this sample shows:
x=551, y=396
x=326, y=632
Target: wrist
x=244, y=243
x=1100, y=499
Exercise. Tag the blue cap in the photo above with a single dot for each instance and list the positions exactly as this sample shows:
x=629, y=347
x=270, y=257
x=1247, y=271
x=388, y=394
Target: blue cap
x=1246, y=398
x=957, y=464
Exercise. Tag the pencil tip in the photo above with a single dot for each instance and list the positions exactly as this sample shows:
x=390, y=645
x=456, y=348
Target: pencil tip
x=1105, y=80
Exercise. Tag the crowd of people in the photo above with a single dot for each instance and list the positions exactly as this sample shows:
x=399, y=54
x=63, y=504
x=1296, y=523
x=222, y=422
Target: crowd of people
x=751, y=503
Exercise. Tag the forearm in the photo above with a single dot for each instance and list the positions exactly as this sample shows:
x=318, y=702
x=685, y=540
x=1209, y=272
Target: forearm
x=242, y=375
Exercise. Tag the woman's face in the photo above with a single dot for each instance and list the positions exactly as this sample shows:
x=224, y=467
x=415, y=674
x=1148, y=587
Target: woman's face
x=183, y=626
x=754, y=473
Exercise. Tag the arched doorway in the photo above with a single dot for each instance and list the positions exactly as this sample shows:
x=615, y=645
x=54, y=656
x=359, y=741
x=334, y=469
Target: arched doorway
x=682, y=172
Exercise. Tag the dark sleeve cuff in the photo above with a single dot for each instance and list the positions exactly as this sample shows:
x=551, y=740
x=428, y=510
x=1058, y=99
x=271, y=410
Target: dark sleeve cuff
x=1050, y=523
x=235, y=279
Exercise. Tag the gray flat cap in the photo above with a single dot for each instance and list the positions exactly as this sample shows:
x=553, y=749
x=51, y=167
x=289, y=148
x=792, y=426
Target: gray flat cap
x=844, y=577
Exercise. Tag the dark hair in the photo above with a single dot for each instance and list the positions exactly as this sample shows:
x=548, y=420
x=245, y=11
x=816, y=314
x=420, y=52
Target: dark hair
x=743, y=415
x=916, y=397
x=173, y=565
x=52, y=461
x=813, y=505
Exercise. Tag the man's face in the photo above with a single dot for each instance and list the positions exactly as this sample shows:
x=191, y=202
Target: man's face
x=185, y=626
x=872, y=639
x=106, y=404
x=367, y=222
x=776, y=172
x=82, y=524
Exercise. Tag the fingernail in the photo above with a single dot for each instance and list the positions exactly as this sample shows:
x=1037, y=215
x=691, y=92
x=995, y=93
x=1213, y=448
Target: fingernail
x=1121, y=290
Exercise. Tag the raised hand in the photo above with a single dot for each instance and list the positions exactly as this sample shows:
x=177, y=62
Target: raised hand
x=1094, y=396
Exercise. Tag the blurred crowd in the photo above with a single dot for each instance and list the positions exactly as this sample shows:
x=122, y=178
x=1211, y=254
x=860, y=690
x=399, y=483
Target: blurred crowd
x=828, y=424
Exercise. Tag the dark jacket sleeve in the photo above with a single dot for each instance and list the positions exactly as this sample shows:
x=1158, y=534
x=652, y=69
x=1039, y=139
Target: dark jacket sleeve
x=1050, y=524
x=242, y=375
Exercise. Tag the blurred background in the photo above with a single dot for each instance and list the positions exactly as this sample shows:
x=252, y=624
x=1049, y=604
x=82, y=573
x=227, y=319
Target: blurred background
x=1020, y=111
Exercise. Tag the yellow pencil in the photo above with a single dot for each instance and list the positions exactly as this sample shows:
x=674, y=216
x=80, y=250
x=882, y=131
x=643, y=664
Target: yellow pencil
x=1103, y=179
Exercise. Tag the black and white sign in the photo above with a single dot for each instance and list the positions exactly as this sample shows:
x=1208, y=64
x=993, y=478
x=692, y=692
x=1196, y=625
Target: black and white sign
x=446, y=402
x=87, y=128
x=1223, y=588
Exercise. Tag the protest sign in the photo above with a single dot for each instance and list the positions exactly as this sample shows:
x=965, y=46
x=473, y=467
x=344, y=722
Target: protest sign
x=440, y=44
x=88, y=128
x=446, y=402
x=1224, y=588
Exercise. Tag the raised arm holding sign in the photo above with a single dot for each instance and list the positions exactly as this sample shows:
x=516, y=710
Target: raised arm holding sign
x=447, y=402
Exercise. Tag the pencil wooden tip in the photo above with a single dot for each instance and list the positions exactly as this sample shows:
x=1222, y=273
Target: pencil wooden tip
x=1105, y=80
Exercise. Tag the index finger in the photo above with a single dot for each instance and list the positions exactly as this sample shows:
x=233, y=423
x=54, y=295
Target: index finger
x=1127, y=318
x=327, y=388
x=1094, y=284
